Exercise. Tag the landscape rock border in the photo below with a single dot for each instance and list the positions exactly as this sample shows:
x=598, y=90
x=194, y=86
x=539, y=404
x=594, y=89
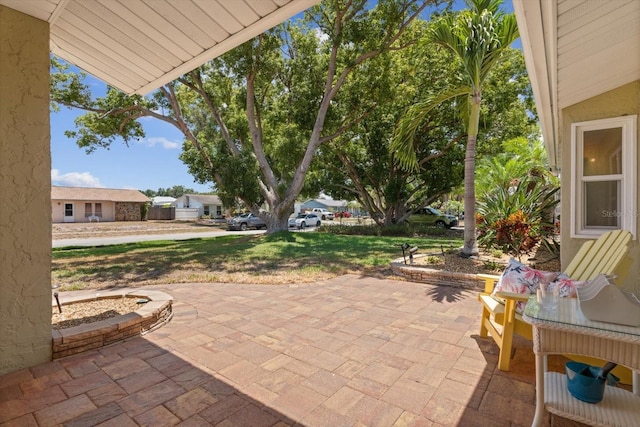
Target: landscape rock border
x=90, y=336
x=423, y=274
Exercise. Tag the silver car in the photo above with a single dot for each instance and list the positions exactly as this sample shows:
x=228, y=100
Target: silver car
x=246, y=221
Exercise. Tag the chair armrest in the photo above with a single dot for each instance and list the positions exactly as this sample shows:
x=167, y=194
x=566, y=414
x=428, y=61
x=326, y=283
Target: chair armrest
x=513, y=296
x=490, y=281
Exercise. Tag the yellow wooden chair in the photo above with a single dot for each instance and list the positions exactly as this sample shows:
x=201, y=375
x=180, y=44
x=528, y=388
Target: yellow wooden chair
x=501, y=321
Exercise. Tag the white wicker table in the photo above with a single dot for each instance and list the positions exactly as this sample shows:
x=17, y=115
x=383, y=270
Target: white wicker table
x=565, y=330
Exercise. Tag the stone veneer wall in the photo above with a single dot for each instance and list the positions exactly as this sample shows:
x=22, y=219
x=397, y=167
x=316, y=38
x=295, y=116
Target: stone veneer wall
x=128, y=211
x=437, y=277
x=91, y=336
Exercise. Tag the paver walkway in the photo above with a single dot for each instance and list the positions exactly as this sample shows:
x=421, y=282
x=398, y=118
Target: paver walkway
x=351, y=351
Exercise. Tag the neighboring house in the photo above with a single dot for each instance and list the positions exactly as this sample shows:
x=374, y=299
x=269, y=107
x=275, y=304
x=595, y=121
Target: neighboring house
x=164, y=201
x=80, y=204
x=583, y=59
x=203, y=204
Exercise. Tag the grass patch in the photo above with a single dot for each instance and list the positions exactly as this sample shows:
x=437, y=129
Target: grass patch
x=266, y=259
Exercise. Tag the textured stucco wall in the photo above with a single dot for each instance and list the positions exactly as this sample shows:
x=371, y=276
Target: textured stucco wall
x=622, y=101
x=25, y=188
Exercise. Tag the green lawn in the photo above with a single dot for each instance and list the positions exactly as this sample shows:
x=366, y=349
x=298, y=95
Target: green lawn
x=269, y=259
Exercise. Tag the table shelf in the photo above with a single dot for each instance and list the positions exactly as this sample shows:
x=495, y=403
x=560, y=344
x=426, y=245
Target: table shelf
x=565, y=330
x=619, y=407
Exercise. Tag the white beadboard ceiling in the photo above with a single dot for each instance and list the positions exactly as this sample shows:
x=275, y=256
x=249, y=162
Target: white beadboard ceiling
x=575, y=50
x=598, y=47
x=139, y=45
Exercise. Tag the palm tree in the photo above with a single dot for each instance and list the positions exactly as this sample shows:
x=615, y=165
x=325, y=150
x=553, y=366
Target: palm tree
x=477, y=37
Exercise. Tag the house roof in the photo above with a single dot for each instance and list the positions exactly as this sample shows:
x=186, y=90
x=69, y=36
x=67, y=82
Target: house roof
x=97, y=194
x=575, y=50
x=137, y=45
x=205, y=199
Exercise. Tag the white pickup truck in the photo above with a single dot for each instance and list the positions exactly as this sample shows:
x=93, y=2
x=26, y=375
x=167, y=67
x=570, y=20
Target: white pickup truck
x=323, y=213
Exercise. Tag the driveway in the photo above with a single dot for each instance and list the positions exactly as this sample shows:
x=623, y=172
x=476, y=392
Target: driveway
x=350, y=351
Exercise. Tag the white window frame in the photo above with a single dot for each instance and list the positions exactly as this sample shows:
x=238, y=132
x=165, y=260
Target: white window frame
x=628, y=207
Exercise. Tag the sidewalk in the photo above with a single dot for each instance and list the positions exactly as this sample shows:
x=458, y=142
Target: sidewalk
x=351, y=351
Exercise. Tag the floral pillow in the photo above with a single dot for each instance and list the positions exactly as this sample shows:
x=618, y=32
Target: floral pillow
x=519, y=278
x=566, y=286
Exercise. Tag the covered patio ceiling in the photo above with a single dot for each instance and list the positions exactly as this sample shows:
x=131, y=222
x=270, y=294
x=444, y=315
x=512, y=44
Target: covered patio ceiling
x=139, y=45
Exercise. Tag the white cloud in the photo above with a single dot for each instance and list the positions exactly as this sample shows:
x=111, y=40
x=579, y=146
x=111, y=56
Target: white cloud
x=75, y=179
x=323, y=37
x=162, y=141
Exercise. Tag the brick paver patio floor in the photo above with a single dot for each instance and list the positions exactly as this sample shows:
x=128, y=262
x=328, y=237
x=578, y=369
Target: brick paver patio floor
x=351, y=351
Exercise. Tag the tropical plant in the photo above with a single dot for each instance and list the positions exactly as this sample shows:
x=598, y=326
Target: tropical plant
x=477, y=37
x=499, y=178
x=519, y=158
x=516, y=218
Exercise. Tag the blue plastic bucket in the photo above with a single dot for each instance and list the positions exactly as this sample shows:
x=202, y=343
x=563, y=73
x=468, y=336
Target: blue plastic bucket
x=583, y=383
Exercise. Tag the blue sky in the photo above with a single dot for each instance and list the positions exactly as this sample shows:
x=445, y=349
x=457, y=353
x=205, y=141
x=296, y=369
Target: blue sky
x=150, y=163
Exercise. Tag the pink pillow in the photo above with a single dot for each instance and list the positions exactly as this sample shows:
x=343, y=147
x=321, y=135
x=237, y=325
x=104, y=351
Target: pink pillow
x=519, y=278
x=567, y=287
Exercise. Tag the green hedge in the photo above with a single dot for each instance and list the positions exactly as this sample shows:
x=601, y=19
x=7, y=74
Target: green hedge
x=396, y=230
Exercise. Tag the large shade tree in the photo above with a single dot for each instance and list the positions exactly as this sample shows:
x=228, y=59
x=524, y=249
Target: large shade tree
x=477, y=38
x=360, y=164
x=254, y=119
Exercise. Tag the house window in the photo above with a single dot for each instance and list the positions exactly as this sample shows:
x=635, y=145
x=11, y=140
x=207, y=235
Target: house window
x=98, y=208
x=87, y=210
x=218, y=211
x=206, y=209
x=603, y=161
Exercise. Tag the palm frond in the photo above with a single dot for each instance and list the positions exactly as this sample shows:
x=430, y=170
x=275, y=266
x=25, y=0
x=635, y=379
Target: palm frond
x=403, y=142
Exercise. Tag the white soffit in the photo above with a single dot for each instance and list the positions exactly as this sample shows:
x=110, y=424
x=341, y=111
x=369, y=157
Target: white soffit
x=139, y=45
x=598, y=47
x=576, y=50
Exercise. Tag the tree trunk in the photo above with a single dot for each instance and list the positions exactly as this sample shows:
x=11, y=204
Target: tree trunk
x=278, y=218
x=275, y=224
x=470, y=243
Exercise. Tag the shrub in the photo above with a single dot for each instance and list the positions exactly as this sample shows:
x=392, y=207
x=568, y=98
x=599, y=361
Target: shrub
x=517, y=218
x=492, y=265
x=496, y=253
x=395, y=230
x=434, y=260
x=144, y=211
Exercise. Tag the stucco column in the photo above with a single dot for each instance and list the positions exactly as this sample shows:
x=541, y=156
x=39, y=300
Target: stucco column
x=25, y=192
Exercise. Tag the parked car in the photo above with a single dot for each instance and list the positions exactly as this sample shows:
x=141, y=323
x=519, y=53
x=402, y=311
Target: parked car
x=245, y=221
x=343, y=214
x=304, y=220
x=323, y=213
x=431, y=216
